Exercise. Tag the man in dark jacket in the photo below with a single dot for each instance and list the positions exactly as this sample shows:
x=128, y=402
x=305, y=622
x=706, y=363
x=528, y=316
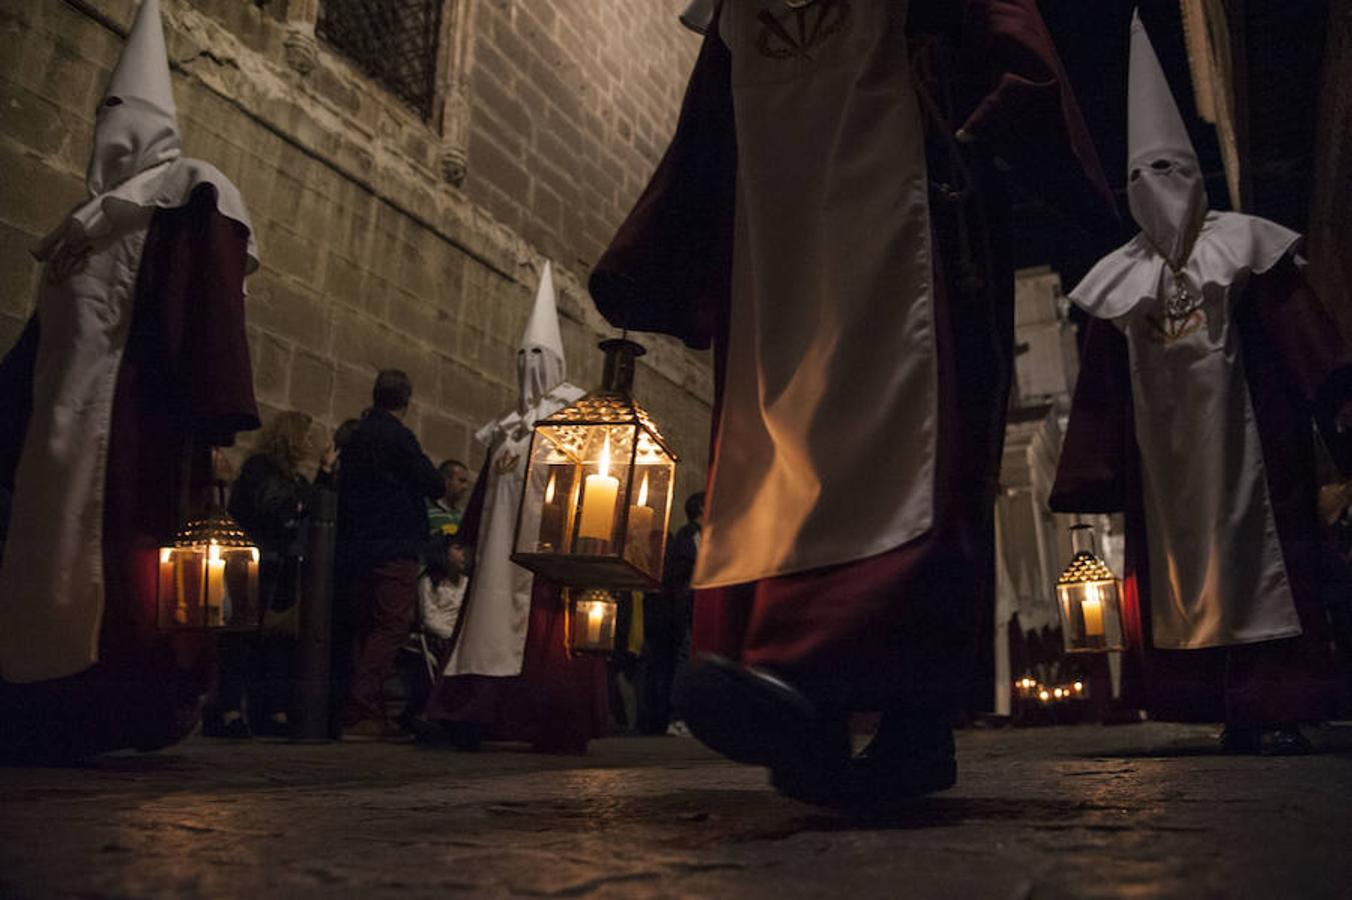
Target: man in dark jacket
x=666, y=620
x=382, y=523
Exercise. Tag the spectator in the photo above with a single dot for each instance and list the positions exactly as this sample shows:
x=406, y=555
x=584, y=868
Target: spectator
x=269, y=500
x=666, y=618
x=443, y=513
x=441, y=591
x=382, y=524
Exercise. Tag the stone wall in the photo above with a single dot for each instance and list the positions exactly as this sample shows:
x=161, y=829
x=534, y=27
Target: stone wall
x=386, y=240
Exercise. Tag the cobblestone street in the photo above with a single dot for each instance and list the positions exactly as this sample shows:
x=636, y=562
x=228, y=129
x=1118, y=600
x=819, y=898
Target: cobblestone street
x=1136, y=811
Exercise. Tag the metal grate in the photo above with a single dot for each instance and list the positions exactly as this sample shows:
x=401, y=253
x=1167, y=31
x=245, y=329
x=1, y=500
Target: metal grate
x=393, y=41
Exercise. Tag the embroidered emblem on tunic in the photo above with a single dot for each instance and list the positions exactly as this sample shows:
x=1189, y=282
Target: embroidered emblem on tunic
x=801, y=28
x=69, y=260
x=1172, y=329
x=505, y=463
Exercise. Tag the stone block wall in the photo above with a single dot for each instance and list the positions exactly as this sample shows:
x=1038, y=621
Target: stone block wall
x=386, y=240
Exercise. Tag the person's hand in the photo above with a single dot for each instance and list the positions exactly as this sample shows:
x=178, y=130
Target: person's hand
x=329, y=459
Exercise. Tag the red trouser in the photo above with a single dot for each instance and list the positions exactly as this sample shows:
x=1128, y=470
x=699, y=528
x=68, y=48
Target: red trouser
x=384, y=600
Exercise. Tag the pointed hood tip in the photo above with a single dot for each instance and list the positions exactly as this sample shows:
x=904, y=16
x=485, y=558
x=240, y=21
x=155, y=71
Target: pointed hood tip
x=1154, y=122
x=142, y=71
x=141, y=130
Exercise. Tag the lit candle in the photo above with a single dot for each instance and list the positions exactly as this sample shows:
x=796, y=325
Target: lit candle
x=596, y=613
x=640, y=527
x=251, y=585
x=1092, y=605
x=215, y=599
x=598, y=500
x=550, y=536
x=169, y=591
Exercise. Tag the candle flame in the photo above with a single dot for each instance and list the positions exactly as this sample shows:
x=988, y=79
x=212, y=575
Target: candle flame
x=596, y=612
x=165, y=555
x=603, y=467
x=214, y=554
x=549, y=489
x=643, y=491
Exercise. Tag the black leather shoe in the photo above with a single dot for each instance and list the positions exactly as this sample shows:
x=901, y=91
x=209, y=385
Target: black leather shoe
x=910, y=756
x=1285, y=740
x=755, y=717
x=1275, y=740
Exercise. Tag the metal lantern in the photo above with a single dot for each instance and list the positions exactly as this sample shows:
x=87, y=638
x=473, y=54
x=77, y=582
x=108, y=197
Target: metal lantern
x=592, y=615
x=208, y=577
x=1090, y=598
x=599, y=482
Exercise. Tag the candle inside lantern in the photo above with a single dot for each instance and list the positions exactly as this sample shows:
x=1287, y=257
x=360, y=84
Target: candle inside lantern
x=550, y=536
x=216, y=598
x=640, y=527
x=1092, y=606
x=598, y=499
x=171, y=590
x=596, y=613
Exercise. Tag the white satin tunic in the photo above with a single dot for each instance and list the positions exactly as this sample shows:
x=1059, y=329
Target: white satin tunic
x=827, y=436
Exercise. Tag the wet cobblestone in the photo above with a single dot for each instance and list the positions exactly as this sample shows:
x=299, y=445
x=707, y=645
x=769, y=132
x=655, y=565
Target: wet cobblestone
x=1146, y=810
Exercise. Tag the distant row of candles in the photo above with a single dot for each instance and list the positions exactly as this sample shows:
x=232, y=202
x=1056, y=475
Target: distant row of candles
x=1029, y=688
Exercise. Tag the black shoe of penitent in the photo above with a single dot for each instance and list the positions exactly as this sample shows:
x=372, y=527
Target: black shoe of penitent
x=756, y=717
x=910, y=756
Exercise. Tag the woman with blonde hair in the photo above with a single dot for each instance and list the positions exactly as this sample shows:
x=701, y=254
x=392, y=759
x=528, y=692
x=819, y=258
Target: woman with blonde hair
x=269, y=500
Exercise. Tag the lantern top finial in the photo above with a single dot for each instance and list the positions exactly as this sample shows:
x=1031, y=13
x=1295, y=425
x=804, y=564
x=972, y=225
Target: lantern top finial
x=618, y=374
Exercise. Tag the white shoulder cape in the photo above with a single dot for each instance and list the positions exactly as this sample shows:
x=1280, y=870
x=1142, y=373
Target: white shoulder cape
x=1229, y=245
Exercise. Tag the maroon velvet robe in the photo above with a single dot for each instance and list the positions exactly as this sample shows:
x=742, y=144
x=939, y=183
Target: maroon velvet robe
x=1298, y=370
x=184, y=385
x=557, y=704
x=899, y=627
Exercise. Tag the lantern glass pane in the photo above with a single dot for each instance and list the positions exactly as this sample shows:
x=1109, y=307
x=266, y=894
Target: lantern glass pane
x=649, y=515
x=201, y=586
x=553, y=479
x=1091, y=616
x=592, y=629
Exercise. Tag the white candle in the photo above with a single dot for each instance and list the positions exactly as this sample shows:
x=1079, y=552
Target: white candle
x=1092, y=606
x=598, y=500
x=640, y=526
x=215, y=598
x=596, y=613
x=173, y=607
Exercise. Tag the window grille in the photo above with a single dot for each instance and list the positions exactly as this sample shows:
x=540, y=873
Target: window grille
x=393, y=41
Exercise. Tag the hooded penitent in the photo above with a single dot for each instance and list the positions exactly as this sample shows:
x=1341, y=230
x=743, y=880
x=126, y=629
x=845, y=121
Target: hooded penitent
x=493, y=637
x=1217, y=575
x=52, y=581
x=539, y=360
x=1164, y=179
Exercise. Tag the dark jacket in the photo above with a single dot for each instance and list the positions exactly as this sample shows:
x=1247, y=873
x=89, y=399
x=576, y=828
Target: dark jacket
x=269, y=504
x=384, y=482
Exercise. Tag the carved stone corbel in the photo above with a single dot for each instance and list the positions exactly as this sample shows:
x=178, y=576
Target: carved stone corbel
x=454, y=58
x=300, y=45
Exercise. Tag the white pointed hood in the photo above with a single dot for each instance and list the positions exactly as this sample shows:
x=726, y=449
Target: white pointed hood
x=698, y=16
x=540, y=364
x=1182, y=248
x=1165, y=189
x=136, y=127
x=137, y=162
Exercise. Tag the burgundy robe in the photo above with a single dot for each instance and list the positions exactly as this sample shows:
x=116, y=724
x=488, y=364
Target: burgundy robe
x=1298, y=371
x=557, y=704
x=184, y=385
x=899, y=627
